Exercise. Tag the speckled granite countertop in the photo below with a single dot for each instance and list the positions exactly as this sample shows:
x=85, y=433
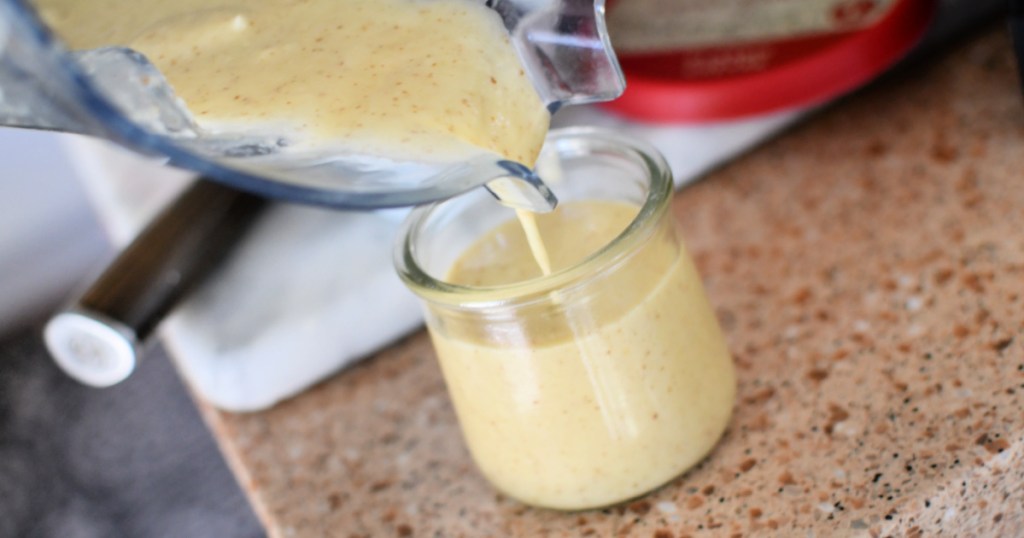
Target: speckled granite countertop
x=868, y=269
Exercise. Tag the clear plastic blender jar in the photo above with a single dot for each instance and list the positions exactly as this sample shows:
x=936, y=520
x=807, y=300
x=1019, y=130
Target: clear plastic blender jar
x=115, y=93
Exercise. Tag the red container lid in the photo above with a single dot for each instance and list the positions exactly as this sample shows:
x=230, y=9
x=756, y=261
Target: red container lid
x=807, y=70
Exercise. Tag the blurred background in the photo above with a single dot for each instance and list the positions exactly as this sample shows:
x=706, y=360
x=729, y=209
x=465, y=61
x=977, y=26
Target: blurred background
x=77, y=462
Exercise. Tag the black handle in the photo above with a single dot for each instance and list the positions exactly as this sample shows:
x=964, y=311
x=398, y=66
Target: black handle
x=96, y=339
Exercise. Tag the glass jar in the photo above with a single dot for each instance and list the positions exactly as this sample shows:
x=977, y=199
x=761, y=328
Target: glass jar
x=599, y=381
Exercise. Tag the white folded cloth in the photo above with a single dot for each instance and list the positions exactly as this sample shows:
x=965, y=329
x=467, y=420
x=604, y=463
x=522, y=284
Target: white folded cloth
x=308, y=291
x=312, y=290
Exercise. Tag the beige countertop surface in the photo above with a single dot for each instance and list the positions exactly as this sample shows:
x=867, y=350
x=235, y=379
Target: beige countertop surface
x=868, y=271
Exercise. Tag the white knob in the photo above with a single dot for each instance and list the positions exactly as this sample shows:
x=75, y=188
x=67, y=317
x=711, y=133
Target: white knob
x=94, y=350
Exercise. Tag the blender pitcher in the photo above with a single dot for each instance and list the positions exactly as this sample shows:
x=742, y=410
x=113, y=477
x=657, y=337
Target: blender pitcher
x=115, y=93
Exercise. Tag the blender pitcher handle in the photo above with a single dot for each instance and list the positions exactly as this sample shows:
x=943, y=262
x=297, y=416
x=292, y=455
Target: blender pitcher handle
x=567, y=53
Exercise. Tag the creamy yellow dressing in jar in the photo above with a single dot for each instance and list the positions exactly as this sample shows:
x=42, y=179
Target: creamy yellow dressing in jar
x=416, y=79
x=599, y=381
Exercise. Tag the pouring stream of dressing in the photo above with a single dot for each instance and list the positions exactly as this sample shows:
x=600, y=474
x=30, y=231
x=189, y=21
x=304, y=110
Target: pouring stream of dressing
x=528, y=221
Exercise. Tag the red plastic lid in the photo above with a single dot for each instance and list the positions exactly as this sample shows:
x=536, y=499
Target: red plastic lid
x=832, y=67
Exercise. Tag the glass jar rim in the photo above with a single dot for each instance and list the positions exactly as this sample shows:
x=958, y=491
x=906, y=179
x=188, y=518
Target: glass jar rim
x=571, y=141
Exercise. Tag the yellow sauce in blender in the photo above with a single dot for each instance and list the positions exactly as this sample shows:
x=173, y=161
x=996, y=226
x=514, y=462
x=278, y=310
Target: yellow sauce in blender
x=433, y=80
